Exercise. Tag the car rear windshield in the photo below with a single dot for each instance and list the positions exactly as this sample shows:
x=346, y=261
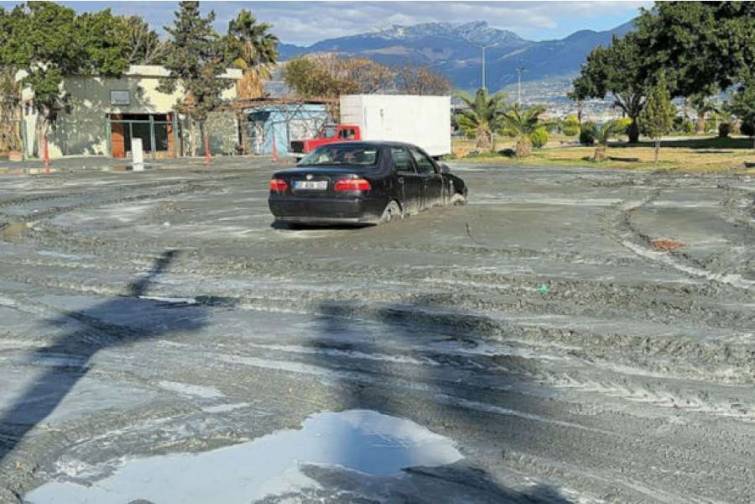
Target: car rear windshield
x=345, y=154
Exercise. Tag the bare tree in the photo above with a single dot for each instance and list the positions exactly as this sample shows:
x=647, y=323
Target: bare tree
x=329, y=75
x=421, y=81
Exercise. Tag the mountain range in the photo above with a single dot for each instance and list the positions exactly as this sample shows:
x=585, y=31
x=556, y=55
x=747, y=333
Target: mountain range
x=454, y=50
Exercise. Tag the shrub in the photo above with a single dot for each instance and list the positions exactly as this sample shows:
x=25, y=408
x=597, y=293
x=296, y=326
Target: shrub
x=683, y=125
x=587, y=133
x=539, y=137
x=723, y=130
x=481, y=154
x=570, y=126
x=747, y=128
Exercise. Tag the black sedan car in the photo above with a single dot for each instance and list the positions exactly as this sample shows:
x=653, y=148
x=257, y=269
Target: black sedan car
x=362, y=183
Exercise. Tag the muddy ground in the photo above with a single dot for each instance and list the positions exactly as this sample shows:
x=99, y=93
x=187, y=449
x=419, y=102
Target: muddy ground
x=538, y=329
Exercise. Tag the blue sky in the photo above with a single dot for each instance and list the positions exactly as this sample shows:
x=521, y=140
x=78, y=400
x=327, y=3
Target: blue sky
x=307, y=22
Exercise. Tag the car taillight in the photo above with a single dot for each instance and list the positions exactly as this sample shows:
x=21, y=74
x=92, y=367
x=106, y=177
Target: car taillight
x=278, y=185
x=356, y=184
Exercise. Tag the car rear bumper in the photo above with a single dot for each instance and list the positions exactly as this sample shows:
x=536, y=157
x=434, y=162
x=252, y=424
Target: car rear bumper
x=308, y=210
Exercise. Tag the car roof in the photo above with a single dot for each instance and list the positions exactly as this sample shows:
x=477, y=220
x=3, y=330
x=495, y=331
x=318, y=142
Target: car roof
x=372, y=143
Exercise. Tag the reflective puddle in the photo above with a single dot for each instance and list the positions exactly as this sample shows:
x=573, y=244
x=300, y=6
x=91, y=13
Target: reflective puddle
x=358, y=440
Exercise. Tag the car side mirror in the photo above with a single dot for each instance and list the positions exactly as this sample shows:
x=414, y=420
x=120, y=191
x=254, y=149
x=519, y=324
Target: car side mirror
x=444, y=169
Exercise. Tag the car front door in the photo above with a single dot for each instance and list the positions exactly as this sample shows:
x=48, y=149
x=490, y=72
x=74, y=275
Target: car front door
x=410, y=183
x=432, y=181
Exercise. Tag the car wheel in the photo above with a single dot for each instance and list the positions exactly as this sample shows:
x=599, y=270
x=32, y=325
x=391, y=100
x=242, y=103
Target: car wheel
x=283, y=225
x=392, y=212
x=458, y=199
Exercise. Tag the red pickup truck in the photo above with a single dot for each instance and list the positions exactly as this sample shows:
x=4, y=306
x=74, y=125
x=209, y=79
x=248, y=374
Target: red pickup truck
x=329, y=133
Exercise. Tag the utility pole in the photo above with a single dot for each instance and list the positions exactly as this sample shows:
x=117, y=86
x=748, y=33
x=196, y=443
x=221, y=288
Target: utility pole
x=484, y=83
x=519, y=71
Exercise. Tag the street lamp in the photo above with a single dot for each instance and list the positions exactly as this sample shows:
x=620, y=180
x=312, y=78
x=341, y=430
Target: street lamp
x=519, y=71
x=483, y=63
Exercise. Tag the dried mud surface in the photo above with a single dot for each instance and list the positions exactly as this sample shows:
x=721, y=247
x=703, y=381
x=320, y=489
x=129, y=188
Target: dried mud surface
x=538, y=327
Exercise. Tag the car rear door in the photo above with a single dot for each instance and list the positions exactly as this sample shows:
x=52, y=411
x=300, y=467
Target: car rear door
x=432, y=180
x=410, y=184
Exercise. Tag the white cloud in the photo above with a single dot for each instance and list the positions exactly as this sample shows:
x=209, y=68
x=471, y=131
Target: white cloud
x=308, y=22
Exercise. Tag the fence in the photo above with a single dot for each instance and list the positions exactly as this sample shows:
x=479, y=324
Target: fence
x=279, y=123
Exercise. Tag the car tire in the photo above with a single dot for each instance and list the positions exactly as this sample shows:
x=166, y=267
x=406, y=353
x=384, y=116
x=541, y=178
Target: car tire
x=287, y=226
x=392, y=212
x=458, y=199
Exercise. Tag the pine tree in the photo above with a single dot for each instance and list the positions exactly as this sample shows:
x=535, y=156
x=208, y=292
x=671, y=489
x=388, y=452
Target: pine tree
x=658, y=116
x=195, y=60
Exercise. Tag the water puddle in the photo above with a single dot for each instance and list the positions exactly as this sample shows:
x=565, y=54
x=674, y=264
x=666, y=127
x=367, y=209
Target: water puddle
x=357, y=440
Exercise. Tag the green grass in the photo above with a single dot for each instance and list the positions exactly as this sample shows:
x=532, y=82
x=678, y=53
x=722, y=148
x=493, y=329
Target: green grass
x=705, y=154
x=728, y=143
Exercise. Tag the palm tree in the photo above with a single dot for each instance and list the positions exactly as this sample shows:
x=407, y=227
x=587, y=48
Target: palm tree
x=703, y=105
x=252, y=49
x=482, y=117
x=607, y=131
x=521, y=122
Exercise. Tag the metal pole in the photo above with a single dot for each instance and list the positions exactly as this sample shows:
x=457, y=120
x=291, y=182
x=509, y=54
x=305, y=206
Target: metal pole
x=483, y=68
x=519, y=71
x=152, y=135
x=177, y=150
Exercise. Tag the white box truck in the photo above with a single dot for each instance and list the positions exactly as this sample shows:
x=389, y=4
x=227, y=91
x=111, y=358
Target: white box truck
x=424, y=121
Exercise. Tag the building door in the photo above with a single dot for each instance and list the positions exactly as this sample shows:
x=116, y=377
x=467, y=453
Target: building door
x=117, y=137
x=155, y=131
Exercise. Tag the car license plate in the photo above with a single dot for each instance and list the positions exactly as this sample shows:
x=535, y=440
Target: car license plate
x=312, y=185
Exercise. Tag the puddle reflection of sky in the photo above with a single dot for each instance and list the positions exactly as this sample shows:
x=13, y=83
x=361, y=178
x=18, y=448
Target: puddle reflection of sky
x=358, y=440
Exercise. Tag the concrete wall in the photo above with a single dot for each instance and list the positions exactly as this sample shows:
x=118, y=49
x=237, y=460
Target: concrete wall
x=84, y=129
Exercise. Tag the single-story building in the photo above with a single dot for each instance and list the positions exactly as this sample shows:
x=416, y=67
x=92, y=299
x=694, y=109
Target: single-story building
x=105, y=114
x=277, y=121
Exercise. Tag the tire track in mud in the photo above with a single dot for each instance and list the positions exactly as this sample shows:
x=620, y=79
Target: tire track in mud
x=507, y=351
x=103, y=196
x=524, y=415
x=596, y=338
x=665, y=302
x=629, y=237
x=545, y=366
x=739, y=205
x=669, y=358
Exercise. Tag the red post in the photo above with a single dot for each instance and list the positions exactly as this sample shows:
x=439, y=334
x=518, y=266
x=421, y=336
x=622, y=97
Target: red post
x=207, y=155
x=46, y=154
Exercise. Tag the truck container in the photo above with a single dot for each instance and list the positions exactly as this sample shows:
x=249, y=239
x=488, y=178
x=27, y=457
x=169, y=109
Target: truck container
x=424, y=121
